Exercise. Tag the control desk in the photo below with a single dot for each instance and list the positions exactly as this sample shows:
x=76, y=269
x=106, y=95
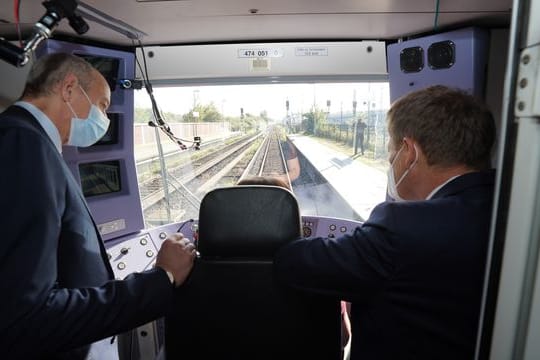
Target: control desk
x=137, y=252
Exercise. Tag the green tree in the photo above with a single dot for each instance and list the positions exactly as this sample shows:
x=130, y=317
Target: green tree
x=203, y=113
x=143, y=115
x=264, y=117
x=172, y=117
x=246, y=124
x=312, y=120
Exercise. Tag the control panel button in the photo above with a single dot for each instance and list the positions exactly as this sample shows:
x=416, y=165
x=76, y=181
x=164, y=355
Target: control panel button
x=143, y=241
x=307, y=231
x=331, y=235
x=121, y=265
x=109, y=256
x=149, y=253
x=343, y=229
x=162, y=235
x=124, y=251
x=332, y=227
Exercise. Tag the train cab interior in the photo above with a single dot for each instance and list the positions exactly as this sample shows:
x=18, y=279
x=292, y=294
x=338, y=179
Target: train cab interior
x=207, y=93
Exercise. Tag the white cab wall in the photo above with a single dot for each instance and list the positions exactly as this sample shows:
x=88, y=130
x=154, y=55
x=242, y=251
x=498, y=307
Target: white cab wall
x=516, y=333
x=13, y=80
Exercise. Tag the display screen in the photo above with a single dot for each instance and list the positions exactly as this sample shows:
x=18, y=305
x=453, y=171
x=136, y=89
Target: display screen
x=111, y=136
x=108, y=67
x=100, y=178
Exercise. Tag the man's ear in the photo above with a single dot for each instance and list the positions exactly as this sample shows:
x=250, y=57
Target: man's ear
x=68, y=86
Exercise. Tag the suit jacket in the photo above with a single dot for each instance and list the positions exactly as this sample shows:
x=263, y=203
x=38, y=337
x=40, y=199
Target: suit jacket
x=58, y=292
x=413, y=271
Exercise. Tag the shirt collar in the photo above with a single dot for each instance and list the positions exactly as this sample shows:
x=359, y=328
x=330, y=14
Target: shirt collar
x=45, y=123
x=440, y=187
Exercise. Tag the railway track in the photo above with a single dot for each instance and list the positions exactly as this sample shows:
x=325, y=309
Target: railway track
x=152, y=191
x=188, y=183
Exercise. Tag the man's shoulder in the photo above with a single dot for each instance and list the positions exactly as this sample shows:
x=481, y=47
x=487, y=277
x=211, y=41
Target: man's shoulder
x=16, y=119
x=14, y=112
x=466, y=203
x=22, y=137
x=473, y=184
x=392, y=212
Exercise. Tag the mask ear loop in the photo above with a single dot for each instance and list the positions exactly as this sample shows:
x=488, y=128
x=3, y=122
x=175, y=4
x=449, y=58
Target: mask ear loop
x=397, y=154
x=85, y=95
x=395, y=157
x=71, y=108
x=410, y=167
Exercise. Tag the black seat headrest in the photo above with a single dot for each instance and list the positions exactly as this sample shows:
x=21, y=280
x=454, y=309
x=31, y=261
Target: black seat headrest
x=247, y=221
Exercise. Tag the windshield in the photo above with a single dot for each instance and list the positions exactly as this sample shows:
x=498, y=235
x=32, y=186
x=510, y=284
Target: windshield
x=321, y=131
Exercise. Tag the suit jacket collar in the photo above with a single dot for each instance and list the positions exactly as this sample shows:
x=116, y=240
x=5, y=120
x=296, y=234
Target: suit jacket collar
x=465, y=181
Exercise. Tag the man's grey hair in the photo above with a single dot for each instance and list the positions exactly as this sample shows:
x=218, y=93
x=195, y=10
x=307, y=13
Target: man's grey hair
x=50, y=70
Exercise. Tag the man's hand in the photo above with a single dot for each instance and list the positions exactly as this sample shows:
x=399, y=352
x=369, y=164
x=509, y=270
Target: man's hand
x=176, y=256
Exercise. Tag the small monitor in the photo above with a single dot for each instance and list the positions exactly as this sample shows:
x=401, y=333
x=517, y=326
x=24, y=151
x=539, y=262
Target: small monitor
x=100, y=178
x=107, y=66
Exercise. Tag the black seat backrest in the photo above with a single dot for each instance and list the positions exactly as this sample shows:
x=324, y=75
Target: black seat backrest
x=231, y=307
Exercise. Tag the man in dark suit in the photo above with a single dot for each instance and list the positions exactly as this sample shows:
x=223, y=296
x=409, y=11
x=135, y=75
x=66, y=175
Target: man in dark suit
x=360, y=129
x=57, y=286
x=414, y=270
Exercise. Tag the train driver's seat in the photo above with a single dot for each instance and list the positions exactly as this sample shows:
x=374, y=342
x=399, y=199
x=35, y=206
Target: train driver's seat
x=231, y=307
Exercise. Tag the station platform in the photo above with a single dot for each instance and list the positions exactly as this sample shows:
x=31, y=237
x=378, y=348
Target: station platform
x=360, y=185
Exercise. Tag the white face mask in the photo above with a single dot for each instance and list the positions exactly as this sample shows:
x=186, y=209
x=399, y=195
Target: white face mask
x=85, y=132
x=391, y=189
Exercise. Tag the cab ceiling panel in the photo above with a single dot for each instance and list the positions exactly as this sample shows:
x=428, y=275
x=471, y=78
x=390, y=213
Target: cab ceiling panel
x=177, y=21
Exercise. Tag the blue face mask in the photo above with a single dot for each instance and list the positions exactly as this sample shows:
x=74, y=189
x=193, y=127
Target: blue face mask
x=85, y=132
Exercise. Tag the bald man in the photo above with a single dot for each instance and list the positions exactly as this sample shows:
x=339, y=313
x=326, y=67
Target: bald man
x=58, y=290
